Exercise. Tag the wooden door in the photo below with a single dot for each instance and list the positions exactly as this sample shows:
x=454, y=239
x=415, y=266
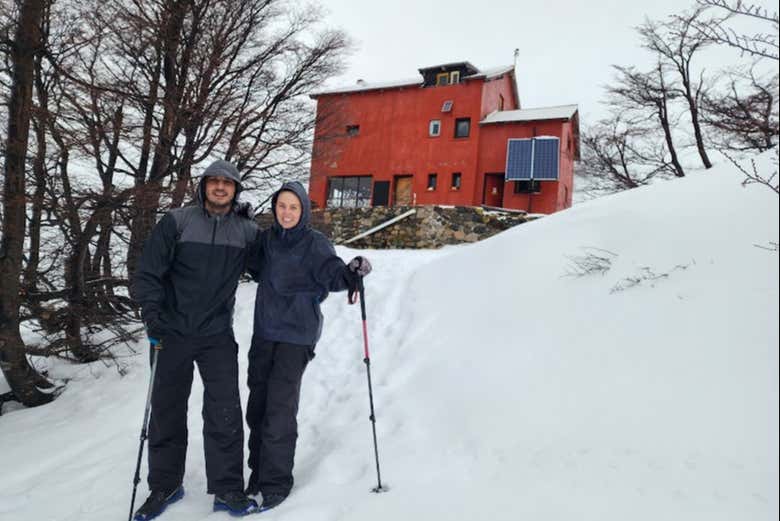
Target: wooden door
x=402, y=196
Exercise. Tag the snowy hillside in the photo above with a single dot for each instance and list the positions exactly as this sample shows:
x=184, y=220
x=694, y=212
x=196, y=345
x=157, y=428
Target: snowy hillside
x=507, y=388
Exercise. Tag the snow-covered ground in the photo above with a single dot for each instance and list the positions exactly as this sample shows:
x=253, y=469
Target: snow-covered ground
x=505, y=389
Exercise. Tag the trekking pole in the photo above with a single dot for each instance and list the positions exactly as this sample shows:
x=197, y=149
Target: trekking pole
x=367, y=360
x=156, y=346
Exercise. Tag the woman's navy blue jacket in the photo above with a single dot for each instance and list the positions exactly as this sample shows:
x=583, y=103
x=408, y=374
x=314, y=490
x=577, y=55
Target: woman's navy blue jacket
x=295, y=270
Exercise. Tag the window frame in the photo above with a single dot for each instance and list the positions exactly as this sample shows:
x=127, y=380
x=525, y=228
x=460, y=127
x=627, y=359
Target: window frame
x=362, y=181
x=430, y=128
x=454, y=77
x=433, y=181
x=442, y=75
x=456, y=181
x=534, y=186
x=458, y=121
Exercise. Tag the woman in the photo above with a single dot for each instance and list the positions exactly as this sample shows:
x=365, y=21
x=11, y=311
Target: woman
x=296, y=268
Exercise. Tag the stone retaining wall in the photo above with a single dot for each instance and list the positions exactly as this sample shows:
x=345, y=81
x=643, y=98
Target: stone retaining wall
x=428, y=227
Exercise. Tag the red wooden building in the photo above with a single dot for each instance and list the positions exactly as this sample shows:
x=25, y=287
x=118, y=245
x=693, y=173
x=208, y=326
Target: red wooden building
x=456, y=135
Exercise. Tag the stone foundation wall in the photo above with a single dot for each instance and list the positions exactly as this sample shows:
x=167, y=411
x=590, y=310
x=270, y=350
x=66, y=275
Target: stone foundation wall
x=428, y=227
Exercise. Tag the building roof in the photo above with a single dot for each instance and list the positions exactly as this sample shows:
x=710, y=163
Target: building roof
x=447, y=66
x=493, y=73
x=537, y=114
x=361, y=85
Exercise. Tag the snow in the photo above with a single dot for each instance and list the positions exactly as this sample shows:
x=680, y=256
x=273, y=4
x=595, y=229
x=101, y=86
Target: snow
x=535, y=114
x=504, y=388
x=364, y=86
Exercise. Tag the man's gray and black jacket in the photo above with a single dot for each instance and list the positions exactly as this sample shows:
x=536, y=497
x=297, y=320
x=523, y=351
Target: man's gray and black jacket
x=188, y=273
x=295, y=269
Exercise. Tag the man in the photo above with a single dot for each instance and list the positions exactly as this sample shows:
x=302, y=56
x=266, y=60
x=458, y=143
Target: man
x=186, y=285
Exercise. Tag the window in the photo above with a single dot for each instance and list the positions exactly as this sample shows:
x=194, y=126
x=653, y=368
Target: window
x=353, y=130
x=434, y=127
x=442, y=79
x=455, y=185
x=431, y=182
x=462, y=127
x=455, y=77
x=531, y=186
x=446, y=106
x=349, y=192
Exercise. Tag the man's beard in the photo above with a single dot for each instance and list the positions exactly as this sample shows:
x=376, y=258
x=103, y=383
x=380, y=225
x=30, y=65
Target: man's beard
x=218, y=207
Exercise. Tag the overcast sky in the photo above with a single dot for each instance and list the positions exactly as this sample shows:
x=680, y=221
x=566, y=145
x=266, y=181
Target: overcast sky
x=566, y=48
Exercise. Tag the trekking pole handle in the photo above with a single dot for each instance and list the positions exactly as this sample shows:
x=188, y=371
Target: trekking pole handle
x=362, y=291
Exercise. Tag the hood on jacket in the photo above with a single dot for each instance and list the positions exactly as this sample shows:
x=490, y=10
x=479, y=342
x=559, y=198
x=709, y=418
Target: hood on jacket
x=219, y=168
x=300, y=192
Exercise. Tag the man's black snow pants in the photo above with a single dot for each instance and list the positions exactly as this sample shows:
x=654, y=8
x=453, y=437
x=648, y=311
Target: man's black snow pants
x=274, y=379
x=223, y=433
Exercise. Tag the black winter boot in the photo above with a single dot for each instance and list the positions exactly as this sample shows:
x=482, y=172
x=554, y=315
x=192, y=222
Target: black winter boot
x=234, y=503
x=157, y=502
x=270, y=501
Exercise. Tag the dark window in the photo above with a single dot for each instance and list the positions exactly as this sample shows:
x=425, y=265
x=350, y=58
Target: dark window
x=434, y=127
x=381, y=195
x=353, y=130
x=431, y=182
x=349, y=192
x=462, y=127
x=442, y=78
x=528, y=187
x=455, y=181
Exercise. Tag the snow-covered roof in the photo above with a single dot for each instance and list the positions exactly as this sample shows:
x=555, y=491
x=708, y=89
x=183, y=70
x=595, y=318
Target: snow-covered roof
x=493, y=72
x=363, y=85
x=541, y=113
x=411, y=82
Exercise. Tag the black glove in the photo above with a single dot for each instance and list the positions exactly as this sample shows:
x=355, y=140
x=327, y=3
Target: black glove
x=359, y=266
x=153, y=324
x=245, y=210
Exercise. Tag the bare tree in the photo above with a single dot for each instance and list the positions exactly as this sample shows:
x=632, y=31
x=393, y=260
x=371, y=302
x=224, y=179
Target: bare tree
x=676, y=42
x=745, y=116
x=126, y=99
x=620, y=154
x=758, y=45
x=27, y=385
x=648, y=94
x=756, y=175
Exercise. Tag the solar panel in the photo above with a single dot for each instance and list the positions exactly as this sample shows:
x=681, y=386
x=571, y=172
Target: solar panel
x=534, y=158
x=545, y=159
x=519, y=157
x=446, y=106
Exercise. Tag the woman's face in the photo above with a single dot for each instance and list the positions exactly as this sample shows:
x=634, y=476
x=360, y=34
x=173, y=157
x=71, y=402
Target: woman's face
x=288, y=209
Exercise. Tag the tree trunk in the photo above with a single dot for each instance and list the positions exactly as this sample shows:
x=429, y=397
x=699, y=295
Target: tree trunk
x=148, y=196
x=39, y=173
x=24, y=381
x=693, y=107
x=664, y=119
